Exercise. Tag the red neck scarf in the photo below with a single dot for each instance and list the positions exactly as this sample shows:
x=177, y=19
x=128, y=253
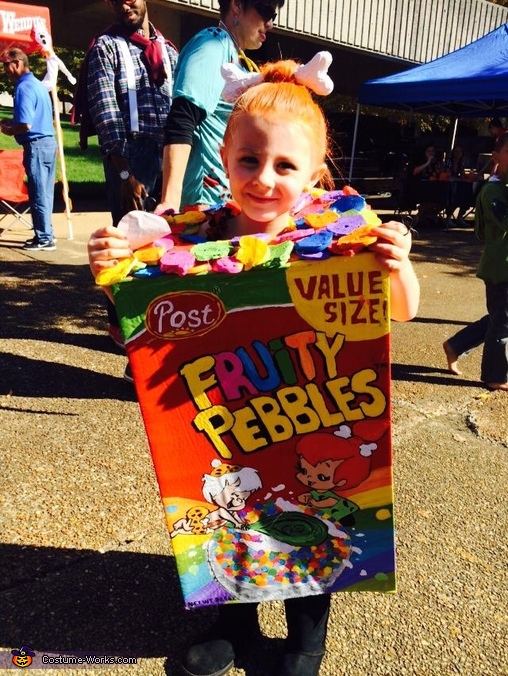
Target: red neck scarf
x=152, y=52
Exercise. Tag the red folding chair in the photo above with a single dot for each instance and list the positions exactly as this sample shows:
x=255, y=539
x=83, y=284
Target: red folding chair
x=13, y=190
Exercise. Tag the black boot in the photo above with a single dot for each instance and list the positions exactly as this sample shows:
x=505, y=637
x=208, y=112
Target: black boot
x=307, y=621
x=299, y=664
x=210, y=658
x=214, y=653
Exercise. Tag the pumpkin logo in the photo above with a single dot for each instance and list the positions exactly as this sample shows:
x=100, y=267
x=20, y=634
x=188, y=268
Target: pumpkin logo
x=23, y=657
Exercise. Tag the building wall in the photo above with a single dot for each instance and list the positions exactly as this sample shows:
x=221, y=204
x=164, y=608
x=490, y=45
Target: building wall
x=368, y=38
x=410, y=30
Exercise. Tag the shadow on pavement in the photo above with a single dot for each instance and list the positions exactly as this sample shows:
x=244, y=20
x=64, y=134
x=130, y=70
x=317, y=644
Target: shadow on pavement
x=40, y=301
x=59, y=305
x=118, y=602
x=38, y=378
x=457, y=244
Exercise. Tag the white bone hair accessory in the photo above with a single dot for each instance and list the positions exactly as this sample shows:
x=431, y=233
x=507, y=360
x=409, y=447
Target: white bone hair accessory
x=313, y=75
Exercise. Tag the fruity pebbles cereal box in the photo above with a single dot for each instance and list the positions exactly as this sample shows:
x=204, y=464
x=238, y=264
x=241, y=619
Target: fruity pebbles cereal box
x=262, y=372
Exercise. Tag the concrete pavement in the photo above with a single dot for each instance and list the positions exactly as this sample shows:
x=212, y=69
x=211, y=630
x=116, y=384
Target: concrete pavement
x=85, y=558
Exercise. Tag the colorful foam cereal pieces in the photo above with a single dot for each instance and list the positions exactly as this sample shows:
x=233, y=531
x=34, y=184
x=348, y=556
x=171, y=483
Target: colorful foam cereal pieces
x=346, y=224
x=315, y=243
x=193, y=238
x=229, y=265
x=279, y=255
x=264, y=236
x=150, y=271
x=209, y=251
x=168, y=242
x=354, y=242
x=190, y=217
x=371, y=218
x=322, y=223
x=150, y=254
x=318, y=256
x=188, y=221
x=349, y=202
x=252, y=251
x=318, y=221
x=178, y=262
x=303, y=201
x=293, y=235
x=362, y=233
x=116, y=273
x=231, y=207
x=201, y=269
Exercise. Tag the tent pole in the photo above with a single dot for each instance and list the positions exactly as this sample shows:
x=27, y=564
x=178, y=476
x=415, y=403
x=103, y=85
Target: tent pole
x=454, y=135
x=353, y=147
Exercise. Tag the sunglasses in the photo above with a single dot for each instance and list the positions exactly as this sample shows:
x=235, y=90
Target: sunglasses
x=265, y=11
x=119, y=3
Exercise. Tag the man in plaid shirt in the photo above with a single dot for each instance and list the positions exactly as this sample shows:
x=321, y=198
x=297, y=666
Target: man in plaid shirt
x=129, y=86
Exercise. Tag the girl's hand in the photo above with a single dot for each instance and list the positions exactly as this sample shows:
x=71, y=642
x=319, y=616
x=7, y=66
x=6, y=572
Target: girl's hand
x=393, y=245
x=106, y=247
x=392, y=252
x=164, y=209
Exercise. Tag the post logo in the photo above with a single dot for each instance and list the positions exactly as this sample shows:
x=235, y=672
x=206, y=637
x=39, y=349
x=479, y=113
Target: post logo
x=23, y=657
x=184, y=314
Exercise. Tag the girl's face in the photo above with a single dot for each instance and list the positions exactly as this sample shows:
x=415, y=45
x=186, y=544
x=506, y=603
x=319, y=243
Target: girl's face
x=320, y=476
x=269, y=163
x=501, y=158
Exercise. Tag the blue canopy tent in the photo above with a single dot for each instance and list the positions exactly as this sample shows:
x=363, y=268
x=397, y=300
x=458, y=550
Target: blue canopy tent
x=469, y=82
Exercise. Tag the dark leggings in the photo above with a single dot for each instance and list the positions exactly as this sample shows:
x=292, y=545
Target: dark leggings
x=306, y=618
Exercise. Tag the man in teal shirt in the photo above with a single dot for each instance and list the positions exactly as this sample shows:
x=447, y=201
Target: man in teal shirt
x=192, y=168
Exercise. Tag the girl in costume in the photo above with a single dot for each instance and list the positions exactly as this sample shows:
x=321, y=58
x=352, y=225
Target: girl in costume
x=274, y=149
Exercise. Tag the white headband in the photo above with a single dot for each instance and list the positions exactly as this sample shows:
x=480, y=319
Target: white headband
x=313, y=75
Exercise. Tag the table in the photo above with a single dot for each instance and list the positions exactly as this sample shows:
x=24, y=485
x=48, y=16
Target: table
x=450, y=194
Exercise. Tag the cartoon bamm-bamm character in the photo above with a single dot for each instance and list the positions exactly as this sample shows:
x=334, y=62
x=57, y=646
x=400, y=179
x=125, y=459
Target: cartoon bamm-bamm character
x=328, y=462
x=228, y=487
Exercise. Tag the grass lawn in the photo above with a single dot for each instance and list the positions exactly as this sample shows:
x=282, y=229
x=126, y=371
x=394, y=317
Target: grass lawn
x=83, y=168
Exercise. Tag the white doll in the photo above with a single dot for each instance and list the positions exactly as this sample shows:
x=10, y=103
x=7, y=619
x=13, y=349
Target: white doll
x=54, y=64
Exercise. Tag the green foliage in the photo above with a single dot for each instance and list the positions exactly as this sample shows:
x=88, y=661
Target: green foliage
x=72, y=59
x=433, y=124
x=83, y=169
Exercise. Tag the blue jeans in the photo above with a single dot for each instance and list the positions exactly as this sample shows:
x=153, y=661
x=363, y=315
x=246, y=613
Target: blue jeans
x=471, y=336
x=145, y=161
x=39, y=161
x=495, y=350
